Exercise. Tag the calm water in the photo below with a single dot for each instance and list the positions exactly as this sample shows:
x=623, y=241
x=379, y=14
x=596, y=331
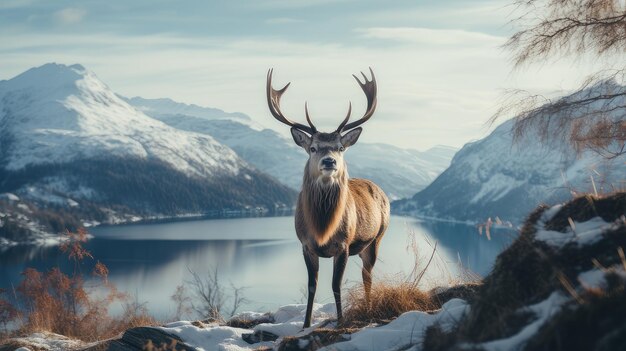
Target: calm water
x=261, y=254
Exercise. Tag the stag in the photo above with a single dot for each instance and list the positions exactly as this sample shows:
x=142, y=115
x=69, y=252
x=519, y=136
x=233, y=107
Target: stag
x=335, y=216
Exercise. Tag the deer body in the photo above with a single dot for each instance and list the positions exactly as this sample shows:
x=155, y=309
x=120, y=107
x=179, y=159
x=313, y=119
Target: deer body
x=361, y=219
x=335, y=216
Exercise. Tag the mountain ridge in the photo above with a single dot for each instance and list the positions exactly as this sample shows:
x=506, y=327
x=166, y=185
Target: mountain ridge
x=501, y=176
x=67, y=138
x=400, y=172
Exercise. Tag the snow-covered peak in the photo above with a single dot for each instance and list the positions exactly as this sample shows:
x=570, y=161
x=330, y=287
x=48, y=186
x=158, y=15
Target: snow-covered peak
x=49, y=76
x=503, y=176
x=57, y=113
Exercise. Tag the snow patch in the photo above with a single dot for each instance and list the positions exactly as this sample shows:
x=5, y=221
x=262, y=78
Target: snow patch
x=408, y=329
x=50, y=342
x=496, y=188
x=9, y=196
x=216, y=338
x=543, y=311
x=581, y=233
x=288, y=320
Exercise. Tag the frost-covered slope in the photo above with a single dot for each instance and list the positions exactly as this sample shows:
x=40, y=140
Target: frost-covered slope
x=56, y=113
x=63, y=132
x=497, y=177
x=400, y=172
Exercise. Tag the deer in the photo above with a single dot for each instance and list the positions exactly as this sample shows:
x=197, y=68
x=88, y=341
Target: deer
x=336, y=216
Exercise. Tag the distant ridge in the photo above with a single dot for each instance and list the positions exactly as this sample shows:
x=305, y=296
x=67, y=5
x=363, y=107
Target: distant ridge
x=400, y=172
x=495, y=177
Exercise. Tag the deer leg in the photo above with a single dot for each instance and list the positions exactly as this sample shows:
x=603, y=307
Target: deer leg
x=312, y=266
x=368, y=256
x=339, y=267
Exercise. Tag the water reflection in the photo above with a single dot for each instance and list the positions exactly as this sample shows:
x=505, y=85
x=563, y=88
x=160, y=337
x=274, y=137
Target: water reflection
x=464, y=243
x=261, y=254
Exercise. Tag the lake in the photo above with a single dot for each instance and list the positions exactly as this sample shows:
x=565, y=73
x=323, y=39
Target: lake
x=262, y=255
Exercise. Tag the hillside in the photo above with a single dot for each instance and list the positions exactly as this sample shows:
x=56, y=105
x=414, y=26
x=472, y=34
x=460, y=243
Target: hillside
x=65, y=137
x=500, y=177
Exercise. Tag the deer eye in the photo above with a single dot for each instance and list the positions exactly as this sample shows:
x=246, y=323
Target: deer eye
x=341, y=148
x=312, y=149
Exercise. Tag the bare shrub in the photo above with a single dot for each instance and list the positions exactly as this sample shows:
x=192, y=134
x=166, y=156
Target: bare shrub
x=182, y=301
x=135, y=315
x=64, y=304
x=211, y=299
x=8, y=313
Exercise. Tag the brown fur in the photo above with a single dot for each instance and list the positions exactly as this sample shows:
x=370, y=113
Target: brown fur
x=323, y=206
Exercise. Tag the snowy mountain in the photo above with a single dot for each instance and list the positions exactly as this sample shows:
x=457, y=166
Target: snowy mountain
x=65, y=135
x=496, y=176
x=400, y=172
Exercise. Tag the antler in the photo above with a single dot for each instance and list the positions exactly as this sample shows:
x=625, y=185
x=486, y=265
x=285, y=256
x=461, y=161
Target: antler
x=369, y=88
x=273, y=101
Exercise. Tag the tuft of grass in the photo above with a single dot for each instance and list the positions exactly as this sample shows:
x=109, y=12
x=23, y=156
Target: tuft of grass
x=387, y=301
x=392, y=297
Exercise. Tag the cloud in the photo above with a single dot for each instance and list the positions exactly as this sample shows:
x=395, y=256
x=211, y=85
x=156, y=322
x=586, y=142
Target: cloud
x=70, y=15
x=428, y=36
x=15, y=4
x=428, y=94
x=283, y=20
x=474, y=14
x=294, y=4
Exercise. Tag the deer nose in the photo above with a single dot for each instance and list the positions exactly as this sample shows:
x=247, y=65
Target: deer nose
x=329, y=162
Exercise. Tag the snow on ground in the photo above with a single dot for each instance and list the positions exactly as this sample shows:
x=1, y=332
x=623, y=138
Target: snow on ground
x=49, y=342
x=289, y=319
x=408, y=329
x=596, y=278
x=543, y=311
x=218, y=338
x=9, y=196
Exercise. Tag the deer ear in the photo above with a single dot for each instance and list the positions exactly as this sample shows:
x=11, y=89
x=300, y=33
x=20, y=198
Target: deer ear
x=351, y=137
x=300, y=138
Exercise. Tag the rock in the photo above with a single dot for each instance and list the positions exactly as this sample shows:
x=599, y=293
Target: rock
x=258, y=336
x=138, y=339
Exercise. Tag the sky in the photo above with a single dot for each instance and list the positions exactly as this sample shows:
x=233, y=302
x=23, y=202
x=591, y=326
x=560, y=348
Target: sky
x=439, y=65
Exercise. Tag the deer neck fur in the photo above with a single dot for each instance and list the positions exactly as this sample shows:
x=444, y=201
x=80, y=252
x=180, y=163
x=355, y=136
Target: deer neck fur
x=324, y=204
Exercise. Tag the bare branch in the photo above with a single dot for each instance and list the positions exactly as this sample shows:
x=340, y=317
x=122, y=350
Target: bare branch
x=210, y=297
x=568, y=27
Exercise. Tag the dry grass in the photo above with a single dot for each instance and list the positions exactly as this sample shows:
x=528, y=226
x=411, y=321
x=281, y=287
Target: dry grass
x=393, y=296
x=56, y=302
x=387, y=301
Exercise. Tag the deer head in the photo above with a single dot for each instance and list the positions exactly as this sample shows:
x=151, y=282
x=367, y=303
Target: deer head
x=326, y=164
